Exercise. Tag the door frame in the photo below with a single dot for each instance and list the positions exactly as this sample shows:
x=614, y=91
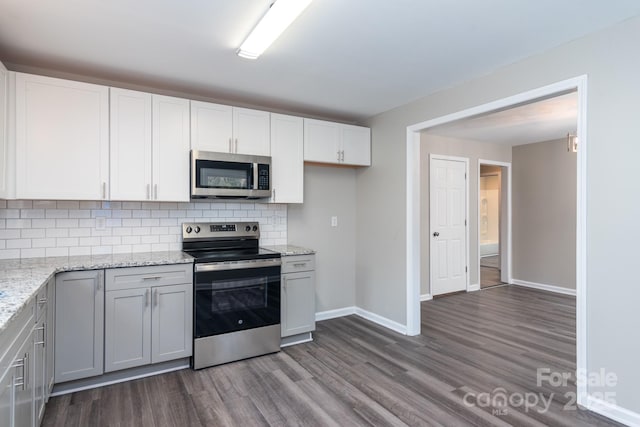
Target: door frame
x=464, y=160
x=508, y=240
x=413, y=225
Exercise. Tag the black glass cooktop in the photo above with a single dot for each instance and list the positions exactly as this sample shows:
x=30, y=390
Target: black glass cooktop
x=217, y=255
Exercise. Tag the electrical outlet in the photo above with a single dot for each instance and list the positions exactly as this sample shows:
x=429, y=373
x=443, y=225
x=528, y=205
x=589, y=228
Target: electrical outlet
x=334, y=221
x=101, y=223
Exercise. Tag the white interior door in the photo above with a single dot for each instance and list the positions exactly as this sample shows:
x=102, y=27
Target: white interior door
x=448, y=234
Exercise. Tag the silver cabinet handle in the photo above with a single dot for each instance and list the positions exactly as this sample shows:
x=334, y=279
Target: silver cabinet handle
x=273, y=196
x=147, y=298
x=299, y=264
x=338, y=155
x=148, y=191
x=44, y=335
x=42, y=301
x=24, y=364
x=152, y=278
x=155, y=191
x=155, y=297
x=104, y=190
x=100, y=280
x=230, y=146
x=236, y=150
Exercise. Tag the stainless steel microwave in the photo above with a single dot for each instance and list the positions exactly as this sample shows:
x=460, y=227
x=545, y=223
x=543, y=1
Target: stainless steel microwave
x=231, y=176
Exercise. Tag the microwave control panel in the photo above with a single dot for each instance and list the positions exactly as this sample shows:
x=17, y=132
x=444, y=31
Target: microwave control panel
x=263, y=177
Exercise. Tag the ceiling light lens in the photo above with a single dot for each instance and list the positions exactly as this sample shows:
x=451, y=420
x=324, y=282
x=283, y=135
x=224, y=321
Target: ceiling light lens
x=281, y=14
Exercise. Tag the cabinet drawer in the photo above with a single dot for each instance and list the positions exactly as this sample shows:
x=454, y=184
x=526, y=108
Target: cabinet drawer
x=142, y=277
x=41, y=301
x=292, y=264
x=15, y=334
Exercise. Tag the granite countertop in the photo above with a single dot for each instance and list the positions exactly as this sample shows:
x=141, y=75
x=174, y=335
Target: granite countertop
x=20, y=279
x=290, y=250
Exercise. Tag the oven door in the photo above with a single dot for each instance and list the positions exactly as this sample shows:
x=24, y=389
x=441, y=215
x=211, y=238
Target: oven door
x=236, y=297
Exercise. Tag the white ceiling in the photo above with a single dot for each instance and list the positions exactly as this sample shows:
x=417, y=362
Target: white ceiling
x=343, y=59
x=539, y=121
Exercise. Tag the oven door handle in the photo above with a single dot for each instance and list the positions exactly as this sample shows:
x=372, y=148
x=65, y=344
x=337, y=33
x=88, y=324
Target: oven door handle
x=240, y=265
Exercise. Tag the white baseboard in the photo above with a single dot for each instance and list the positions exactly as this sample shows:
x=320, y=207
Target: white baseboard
x=613, y=411
x=332, y=314
x=474, y=287
x=426, y=297
x=347, y=311
x=382, y=321
x=542, y=286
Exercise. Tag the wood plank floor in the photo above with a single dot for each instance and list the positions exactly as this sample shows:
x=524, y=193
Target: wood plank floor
x=357, y=373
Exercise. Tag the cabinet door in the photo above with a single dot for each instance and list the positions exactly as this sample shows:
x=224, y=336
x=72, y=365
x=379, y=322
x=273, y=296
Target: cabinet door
x=171, y=325
x=39, y=368
x=251, y=132
x=23, y=386
x=211, y=127
x=321, y=141
x=6, y=397
x=170, y=149
x=130, y=145
x=127, y=329
x=287, y=160
x=356, y=144
x=4, y=98
x=79, y=322
x=298, y=303
x=62, y=139
x=50, y=330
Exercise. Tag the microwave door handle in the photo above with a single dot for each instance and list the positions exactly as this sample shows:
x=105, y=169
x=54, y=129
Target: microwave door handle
x=255, y=177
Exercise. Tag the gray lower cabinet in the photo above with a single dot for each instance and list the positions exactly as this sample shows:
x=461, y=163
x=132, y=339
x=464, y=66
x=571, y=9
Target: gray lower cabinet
x=16, y=370
x=79, y=323
x=148, y=315
x=50, y=335
x=298, y=290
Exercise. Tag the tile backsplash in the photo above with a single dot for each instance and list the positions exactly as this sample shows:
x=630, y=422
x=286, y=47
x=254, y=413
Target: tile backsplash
x=37, y=228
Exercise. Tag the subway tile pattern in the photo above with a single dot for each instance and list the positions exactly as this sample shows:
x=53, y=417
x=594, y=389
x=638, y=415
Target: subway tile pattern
x=39, y=228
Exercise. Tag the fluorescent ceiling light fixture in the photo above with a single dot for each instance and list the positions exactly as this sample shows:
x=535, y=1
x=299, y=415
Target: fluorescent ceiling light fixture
x=279, y=16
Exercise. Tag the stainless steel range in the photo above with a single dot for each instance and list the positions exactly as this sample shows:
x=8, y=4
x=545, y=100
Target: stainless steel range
x=236, y=292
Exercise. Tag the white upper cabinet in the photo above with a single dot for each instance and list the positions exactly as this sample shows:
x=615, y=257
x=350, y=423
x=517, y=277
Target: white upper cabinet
x=251, y=132
x=225, y=129
x=130, y=145
x=356, y=145
x=4, y=102
x=211, y=127
x=336, y=143
x=171, y=123
x=62, y=139
x=287, y=160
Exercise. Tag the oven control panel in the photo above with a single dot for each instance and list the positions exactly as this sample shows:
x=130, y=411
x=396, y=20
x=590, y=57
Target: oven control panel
x=216, y=230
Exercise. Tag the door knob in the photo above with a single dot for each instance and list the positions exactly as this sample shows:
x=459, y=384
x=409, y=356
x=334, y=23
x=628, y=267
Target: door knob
x=436, y=234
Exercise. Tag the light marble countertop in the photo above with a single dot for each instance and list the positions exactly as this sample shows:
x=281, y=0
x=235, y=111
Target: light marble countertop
x=21, y=279
x=290, y=250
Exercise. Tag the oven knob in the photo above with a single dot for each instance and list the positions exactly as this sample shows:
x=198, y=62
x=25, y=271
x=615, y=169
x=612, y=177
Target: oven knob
x=247, y=228
x=255, y=228
x=196, y=229
x=188, y=229
x=240, y=322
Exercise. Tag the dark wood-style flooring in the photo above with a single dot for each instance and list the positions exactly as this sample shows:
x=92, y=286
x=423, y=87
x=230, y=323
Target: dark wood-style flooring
x=357, y=373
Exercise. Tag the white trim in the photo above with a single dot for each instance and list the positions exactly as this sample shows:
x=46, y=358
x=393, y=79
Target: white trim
x=119, y=380
x=332, y=314
x=425, y=297
x=413, y=232
x=465, y=160
x=613, y=411
x=413, y=207
x=382, y=321
x=509, y=239
x=296, y=339
x=474, y=287
x=544, y=287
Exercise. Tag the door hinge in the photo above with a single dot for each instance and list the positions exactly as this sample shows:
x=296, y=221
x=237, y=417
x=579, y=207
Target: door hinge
x=466, y=269
x=465, y=222
x=465, y=175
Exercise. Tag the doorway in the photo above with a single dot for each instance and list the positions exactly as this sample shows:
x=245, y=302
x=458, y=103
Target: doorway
x=493, y=223
x=579, y=85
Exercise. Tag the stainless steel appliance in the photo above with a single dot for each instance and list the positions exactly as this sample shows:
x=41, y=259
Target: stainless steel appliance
x=236, y=292
x=223, y=175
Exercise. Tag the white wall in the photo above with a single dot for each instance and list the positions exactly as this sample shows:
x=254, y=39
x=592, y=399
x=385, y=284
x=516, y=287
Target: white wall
x=60, y=228
x=472, y=150
x=611, y=59
x=544, y=214
x=328, y=191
